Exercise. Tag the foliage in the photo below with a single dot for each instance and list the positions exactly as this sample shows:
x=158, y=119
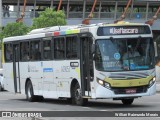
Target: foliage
x=14, y=29
x=49, y=18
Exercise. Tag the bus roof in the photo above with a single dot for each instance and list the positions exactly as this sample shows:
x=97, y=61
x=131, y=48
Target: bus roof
x=65, y=30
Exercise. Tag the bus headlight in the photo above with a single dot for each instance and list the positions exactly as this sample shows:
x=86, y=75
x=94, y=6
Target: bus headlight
x=103, y=83
x=151, y=82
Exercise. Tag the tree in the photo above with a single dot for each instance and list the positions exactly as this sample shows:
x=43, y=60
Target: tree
x=14, y=29
x=49, y=18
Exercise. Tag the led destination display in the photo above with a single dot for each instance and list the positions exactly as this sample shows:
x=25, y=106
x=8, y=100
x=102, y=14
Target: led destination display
x=122, y=30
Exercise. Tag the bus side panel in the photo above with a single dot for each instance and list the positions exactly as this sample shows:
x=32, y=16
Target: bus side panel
x=8, y=77
x=36, y=76
x=64, y=73
x=24, y=74
x=49, y=85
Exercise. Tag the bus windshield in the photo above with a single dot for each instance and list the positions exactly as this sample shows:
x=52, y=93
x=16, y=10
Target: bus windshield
x=124, y=54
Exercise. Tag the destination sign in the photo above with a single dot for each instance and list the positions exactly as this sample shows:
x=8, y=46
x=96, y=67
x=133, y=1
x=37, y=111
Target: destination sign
x=123, y=30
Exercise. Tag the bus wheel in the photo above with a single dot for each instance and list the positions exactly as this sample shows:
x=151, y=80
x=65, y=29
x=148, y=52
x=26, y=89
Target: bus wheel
x=77, y=96
x=127, y=101
x=29, y=92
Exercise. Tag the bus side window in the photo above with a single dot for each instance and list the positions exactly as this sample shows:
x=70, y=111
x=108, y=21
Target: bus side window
x=24, y=51
x=8, y=52
x=35, y=50
x=71, y=47
x=59, y=48
x=47, y=50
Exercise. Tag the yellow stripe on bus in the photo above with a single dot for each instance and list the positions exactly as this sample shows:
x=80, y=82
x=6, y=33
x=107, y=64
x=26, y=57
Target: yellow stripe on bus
x=2, y=53
x=129, y=83
x=78, y=71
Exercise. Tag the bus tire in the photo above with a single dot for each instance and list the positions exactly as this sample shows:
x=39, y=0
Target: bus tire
x=38, y=98
x=77, y=96
x=29, y=92
x=69, y=100
x=127, y=101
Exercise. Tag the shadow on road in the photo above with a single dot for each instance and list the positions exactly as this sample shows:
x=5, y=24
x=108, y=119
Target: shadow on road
x=93, y=104
x=114, y=104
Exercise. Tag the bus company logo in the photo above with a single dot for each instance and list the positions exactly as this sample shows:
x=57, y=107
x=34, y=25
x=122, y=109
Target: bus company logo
x=65, y=69
x=123, y=31
x=21, y=114
x=32, y=69
x=6, y=114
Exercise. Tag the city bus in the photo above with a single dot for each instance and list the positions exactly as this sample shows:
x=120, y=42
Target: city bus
x=81, y=62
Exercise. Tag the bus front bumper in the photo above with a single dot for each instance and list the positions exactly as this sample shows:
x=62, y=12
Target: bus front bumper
x=102, y=92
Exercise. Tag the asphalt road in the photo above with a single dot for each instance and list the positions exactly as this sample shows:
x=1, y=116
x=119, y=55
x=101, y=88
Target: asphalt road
x=17, y=102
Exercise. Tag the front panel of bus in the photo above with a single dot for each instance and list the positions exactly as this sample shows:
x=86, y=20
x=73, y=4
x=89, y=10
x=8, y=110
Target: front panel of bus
x=124, y=62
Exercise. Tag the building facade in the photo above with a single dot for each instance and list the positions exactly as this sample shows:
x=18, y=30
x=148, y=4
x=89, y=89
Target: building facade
x=77, y=10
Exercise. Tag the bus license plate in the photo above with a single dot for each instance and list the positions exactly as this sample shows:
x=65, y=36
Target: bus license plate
x=129, y=91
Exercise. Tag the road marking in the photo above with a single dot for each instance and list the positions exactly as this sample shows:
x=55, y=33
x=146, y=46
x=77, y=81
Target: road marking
x=86, y=107
x=67, y=105
x=103, y=110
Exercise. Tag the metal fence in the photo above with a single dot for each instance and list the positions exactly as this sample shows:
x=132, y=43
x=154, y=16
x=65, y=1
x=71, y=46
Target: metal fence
x=96, y=15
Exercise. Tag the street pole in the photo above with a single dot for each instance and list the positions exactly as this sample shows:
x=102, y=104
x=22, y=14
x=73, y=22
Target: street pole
x=18, y=9
x=84, y=8
x=68, y=9
x=51, y=4
x=34, y=12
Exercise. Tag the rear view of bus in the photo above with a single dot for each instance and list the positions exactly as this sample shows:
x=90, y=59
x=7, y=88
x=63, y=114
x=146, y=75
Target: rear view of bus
x=124, y=62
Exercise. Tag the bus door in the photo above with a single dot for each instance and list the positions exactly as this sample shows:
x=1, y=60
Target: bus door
x=86, y=64
x=16, y=72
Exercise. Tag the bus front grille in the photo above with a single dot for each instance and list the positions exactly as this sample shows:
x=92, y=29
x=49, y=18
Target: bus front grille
x=130, y=90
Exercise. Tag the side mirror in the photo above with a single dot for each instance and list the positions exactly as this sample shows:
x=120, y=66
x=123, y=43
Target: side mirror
x=93, y=48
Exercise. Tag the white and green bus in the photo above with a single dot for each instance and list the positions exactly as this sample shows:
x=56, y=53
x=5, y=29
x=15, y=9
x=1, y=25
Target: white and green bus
x=97, y=61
